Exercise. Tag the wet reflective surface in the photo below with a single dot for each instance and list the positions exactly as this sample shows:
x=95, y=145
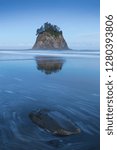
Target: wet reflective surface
x=69, y=84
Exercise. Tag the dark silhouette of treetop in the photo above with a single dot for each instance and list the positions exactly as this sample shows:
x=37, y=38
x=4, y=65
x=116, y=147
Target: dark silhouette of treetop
x=48, y=27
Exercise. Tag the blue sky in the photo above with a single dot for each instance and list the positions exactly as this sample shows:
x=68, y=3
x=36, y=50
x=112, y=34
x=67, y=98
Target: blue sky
x=79, y=20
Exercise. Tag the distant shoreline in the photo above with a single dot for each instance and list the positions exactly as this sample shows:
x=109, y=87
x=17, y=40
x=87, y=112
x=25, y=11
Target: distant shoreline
x=80, y=50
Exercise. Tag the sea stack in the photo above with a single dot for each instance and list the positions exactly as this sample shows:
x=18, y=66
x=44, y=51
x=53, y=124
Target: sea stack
x=50, y=37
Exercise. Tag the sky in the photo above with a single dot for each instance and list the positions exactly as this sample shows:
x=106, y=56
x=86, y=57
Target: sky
x=78, y=19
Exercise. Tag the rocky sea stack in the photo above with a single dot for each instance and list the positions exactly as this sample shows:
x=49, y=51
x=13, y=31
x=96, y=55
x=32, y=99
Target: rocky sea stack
x=50, y=37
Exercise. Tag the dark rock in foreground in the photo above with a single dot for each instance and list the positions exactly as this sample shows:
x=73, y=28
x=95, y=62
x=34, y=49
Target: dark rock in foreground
x=54, y=122
x=50, y=37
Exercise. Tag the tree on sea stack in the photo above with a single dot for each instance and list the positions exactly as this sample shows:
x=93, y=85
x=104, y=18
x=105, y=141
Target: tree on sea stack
x=50, y=37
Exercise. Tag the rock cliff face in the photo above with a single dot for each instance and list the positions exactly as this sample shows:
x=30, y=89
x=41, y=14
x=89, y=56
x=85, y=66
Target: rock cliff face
x=50, y=37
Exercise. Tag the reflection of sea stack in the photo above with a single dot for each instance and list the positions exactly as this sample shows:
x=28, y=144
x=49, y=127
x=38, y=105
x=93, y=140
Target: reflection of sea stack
x=50, y=37
x=49, y=65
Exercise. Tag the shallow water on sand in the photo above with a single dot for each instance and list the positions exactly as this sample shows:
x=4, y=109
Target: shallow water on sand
x=64, y=81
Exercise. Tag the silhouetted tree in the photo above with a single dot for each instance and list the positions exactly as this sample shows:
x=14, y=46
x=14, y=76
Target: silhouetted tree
x=53, y=29
x=40, y=30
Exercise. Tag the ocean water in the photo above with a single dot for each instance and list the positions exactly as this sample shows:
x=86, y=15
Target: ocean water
x=66, y=81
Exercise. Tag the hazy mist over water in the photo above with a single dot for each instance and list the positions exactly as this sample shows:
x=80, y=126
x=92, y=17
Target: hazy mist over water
x=29, y=54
